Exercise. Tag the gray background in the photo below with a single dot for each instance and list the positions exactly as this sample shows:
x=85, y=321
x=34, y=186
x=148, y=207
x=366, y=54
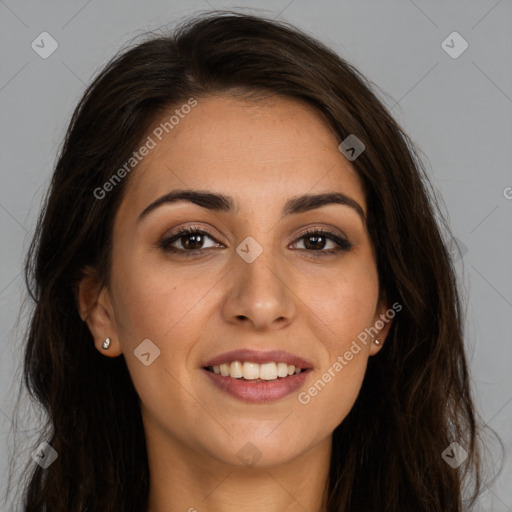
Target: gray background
x=457, y=111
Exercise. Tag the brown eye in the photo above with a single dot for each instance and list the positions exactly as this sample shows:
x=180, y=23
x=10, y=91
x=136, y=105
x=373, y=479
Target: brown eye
x=316, y=241
x=194, y=241
x=190, y=239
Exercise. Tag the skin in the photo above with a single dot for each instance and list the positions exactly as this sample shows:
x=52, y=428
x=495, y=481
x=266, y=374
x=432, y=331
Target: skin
x=195, y=308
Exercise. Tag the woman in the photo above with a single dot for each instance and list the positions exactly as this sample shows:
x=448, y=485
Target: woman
x=242, y=297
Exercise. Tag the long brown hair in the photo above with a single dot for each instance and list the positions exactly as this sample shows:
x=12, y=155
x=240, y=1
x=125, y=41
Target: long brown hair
x=415, y=399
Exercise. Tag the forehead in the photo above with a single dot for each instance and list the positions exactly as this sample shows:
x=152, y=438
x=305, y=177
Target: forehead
x=258, y=152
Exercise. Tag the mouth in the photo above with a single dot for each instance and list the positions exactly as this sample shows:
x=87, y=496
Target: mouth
x=256, y=376
x=255, y=373
x=257, y=390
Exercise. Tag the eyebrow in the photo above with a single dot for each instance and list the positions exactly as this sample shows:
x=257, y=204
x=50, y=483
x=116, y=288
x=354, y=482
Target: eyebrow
x=222, y=203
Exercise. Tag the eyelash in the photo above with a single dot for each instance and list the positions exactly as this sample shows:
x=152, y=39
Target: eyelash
x=165, y=244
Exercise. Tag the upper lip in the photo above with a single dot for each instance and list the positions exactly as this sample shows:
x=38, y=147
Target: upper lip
x=260, y=357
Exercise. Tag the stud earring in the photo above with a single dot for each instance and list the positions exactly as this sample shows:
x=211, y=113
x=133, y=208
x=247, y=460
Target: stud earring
x=376, y=341
x=106, y=343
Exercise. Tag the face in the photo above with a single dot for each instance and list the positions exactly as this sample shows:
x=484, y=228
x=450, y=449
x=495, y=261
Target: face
x=286, y=287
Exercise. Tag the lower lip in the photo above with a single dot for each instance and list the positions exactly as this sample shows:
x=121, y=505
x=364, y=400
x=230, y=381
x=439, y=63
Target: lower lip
x=258, y=392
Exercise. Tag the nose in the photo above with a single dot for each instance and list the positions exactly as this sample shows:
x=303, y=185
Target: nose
x=260, y=292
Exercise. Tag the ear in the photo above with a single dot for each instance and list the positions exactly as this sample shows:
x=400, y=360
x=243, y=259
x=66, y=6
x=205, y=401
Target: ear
x=382, y=322
x=96, y=310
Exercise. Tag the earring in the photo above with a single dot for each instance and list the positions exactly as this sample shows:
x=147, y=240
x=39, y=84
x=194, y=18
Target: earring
x=376, y=341
x=106, y=343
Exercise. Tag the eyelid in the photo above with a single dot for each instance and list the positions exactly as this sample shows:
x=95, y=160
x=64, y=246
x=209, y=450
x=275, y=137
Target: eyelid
x=305, y=231
x=193, y=228
x=327, y=230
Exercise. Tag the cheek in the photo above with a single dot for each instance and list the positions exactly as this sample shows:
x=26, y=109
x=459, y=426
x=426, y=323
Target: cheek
x=151, y=298
x=345, y=308
x=160, y=308
x=330, y=396
x=344, y=304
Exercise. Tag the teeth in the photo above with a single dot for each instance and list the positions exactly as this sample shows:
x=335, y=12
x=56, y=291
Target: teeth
x=282, y=370
x=268, y=371
x=251, y=371
x=235, y=369
x=255, y=371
